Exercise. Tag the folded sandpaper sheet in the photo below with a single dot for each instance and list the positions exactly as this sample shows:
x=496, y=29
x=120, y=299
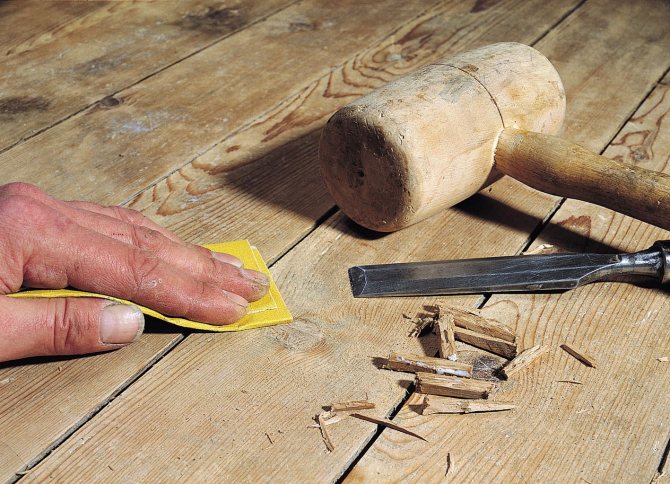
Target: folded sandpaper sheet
x=268, y=311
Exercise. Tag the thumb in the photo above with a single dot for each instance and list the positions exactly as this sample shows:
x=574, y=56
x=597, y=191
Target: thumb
x=65, y=326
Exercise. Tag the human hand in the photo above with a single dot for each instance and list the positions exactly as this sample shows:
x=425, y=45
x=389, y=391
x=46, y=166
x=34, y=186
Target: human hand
x=49, y=243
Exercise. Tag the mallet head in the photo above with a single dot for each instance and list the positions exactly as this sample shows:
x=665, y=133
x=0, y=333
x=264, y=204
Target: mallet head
x=427, y=141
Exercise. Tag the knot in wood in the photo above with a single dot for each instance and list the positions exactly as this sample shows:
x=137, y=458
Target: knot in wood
x=301, y=335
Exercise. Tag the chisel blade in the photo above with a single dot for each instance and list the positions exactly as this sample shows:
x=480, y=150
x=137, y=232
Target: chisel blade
x=549, y=272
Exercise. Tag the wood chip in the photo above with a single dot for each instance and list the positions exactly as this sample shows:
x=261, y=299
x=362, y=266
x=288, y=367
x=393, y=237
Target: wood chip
x=584, y=358
x=445, y=331
x=450, y=386
x=330, y=418
x=351, y=406
x=433, y=405
x=524, y=359
x=448, y=464
x=663, y=359
x=324, y=432
x=542, y=249
x=441, y=366
x=420, y=324
x=387, y=423
x=473, y=321
x=497, y=346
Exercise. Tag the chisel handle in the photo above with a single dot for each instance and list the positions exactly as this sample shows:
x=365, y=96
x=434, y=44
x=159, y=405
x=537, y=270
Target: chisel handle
x=562, y=168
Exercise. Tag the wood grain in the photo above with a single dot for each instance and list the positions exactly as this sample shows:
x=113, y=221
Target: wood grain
x=157, y=126
x=73, y=66
x=282, y=190
x=38, y=21
x=324, y=356
x=614, y=427
x=41, y=400
x=197, y=414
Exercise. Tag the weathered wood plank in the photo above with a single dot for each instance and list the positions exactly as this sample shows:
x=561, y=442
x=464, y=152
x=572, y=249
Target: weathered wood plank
x=37, y=21
x=71, y=67
x=40, y=400
x=43, y=429
x=277, y=379
x=614, y=427
x=156, y=126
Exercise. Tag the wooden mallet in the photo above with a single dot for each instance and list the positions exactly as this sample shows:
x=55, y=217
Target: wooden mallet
x=429, y=140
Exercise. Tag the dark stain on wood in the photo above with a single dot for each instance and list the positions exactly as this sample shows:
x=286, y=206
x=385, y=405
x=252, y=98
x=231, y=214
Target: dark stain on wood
x=581, y=223
x=470, y=68
x=214, y=21
x=22, y=104
x=481, y=5
x=232, y=148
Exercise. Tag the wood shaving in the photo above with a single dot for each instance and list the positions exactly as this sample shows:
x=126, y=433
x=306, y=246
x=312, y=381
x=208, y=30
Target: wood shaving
x=415, y=363
x=450, y=386
x=444, y=406
x=580, y=356
x=542, y=249
x=524, y=360
x=472, y=320
x=494, y=345
x=324, y=433
x=420, y=324
x=387, y=423
x=351, y=406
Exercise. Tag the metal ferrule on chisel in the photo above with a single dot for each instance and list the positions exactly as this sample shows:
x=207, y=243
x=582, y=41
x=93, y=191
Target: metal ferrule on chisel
x=529, y=273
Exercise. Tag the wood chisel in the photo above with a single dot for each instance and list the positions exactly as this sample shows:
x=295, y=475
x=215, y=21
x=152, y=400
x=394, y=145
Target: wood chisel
x=526, y=273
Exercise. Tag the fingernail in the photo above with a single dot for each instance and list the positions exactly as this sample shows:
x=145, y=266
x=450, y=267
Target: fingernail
x=237, y=299
x=255, y=277
x=227, y=258
x=120, y=324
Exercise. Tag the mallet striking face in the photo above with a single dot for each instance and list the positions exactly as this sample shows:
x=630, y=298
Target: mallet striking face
x=437, y=136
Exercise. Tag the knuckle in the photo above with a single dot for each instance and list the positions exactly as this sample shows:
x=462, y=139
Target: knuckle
x=22, y=188
x=129, y=215
x=68, y=326
x=23, y=210
x=145, y=271
x=146, y=239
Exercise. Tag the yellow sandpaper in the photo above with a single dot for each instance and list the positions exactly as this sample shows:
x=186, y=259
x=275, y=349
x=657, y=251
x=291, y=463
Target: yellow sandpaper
x=268, y=311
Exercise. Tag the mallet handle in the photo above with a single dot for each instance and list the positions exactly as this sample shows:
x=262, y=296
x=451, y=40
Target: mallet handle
x=556, y=166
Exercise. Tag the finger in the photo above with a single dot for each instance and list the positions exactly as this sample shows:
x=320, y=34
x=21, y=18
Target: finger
x=197, y=261
x=65, y=326
x=69, y=254
x=122, y=224
x=82, y=211
x=120, y=213
x=123, y=214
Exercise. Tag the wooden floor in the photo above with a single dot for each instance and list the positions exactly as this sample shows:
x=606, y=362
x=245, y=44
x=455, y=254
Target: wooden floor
x=205, y=116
